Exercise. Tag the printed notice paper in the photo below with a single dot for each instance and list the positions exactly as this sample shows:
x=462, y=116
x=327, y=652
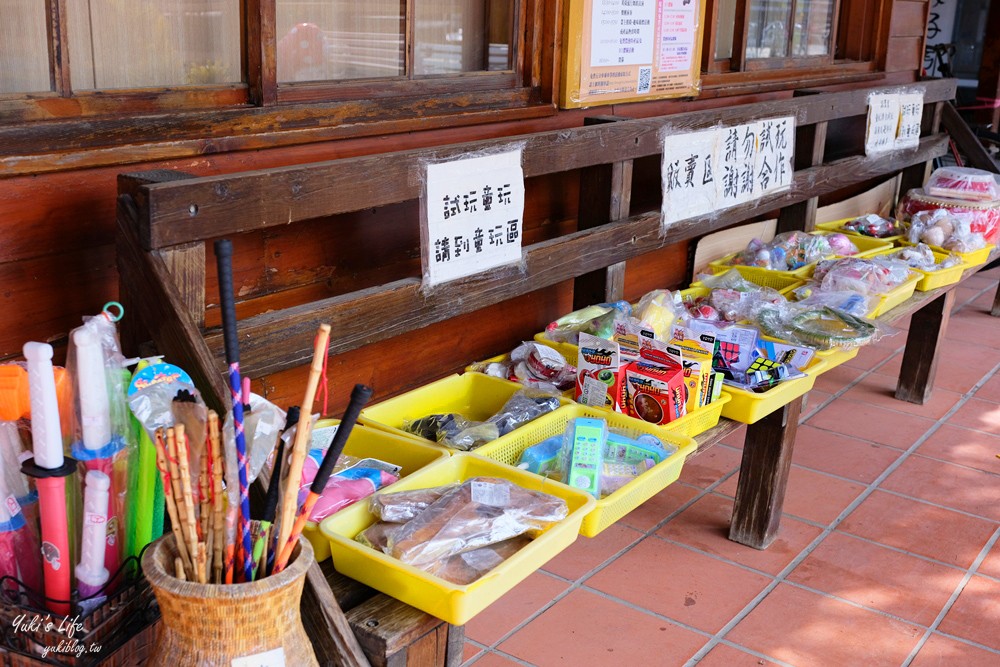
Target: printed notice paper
x=715, y=169
x=893, y=121
x=472, y=215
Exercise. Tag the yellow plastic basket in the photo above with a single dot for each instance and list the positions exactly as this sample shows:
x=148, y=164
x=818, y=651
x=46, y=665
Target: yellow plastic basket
x=608, y=510
x=866, y=245
x=365, y=442
x=974, y=258
x=450, y=602
x=833, y=358
x=934, y=279
x=838, y=226
x=896, y=296
x=748, y=407
x=774, y=279
x=475, y=396
x=757, y=274
x=700, y=419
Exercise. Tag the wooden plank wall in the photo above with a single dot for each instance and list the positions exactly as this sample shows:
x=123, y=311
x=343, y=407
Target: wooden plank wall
x=906, y=35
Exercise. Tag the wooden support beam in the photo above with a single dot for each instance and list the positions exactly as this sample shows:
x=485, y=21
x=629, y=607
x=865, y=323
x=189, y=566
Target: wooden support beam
x=760, y=494
x=329, y=631
x=967, y=141
x=995, y=310
x=920, y=358
x=810, y=146
x=605, y=196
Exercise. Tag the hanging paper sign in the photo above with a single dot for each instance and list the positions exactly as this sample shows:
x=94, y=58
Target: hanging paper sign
x=711, y=170
x=472, y=215
x=883, y=121
x=911, y=112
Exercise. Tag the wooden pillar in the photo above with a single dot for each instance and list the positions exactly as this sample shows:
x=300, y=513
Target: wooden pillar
x=760, y=494
x=989, y=71
x=605, y=196
x=810, y=146
x=927, y=327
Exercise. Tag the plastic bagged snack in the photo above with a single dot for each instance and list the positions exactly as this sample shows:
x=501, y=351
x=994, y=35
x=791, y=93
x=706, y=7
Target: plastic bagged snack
x=469, y=566
x=945, y=229
x=962, y=183
x=480, y=512
x=376, y=536
x=874, y=225
x=401, y=506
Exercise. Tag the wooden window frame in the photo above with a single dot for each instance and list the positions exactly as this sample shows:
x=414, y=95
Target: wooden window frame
x=529, y=83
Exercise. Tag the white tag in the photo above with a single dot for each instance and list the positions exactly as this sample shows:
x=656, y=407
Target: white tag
x=488, y=493
x=322, y=438
x=594, y=392
x=273, y=658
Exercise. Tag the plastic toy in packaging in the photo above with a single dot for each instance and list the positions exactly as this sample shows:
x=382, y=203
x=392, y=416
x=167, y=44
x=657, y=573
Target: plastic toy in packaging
x=983, y=216
x=945, y=229
x=658, y=309
x=596, y=320
x=533, y=365
x=874, y=225
x=963, y=183
x=866, y=276
x=598, y=373
x=922, y=257
x=786, y=252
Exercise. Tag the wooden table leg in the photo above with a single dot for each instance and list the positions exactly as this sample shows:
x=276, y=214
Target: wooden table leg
x=760, y=494
x=927, y=327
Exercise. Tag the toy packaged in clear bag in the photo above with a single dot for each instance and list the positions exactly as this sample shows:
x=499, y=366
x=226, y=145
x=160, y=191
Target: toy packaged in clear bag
x=786, y=252
x=866, y=276
x=963, y=183
x=922, y=257
x=875, y=226
x=452, y=430
x=525, y=405
x=479, y=512
x=533, y=365
x=846, y=300
x=820, y=327
x=659, y=310
x=597, y=320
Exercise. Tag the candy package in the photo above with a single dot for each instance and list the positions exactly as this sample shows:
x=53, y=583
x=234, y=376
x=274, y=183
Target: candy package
x=963, y=183
x=874, y=225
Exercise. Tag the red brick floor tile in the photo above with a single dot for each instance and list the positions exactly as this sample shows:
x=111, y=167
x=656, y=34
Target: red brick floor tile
x=684, y=585
x=841, y=455
x=495, y=660
x=872, y=423
x=705, y=526
x=940, y=651
x=813, y=400
x=837, y=378
x=660, y=506
x=978, y=415
x=972, y=491
x=970, y=326
x=965, y=367
x=727, y=656
x=709, y=466
x=807, y=629
x=990, y=391
x=974, y=449
x=810, y=495
x=585, y=628
x=514, y=608
x=891, y=367
x=588, y=552
x=871, y=355
x=934, y=532
x=991, y=564
x=878, y=578
x=880, y=390
x=976, y=613
x=470, y=651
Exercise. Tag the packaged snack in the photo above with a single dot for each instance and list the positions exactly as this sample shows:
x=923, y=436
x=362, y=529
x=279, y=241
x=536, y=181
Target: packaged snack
x=401, y=506
x=962, y=183
x=468, y=566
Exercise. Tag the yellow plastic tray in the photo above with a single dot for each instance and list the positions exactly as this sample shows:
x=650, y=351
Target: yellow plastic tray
x=974, y=258
x=933, y=279
x=773, y=279
x=451, y=602
x=866, y=245
x=838, y=226
x=896, y=296
x=757, y=274
x=700, y=419
x=475, y=396
x=364, y=442
x=612, y=508
x=833, y=358
x=748, y=407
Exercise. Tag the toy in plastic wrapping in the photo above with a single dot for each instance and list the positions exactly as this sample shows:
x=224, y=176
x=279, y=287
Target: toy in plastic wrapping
x=840, y=244
x=983, y=217
x=874, y=225
x=347, y=485
x=401, y=506
x=846, y=300
x=453, y=430
x=598, y=320
x=823, y=328
x=20, y=555
x=922, y=257
x=867, y=276
x=733, y=298
x=963, y=183
x=658, y=309
x=524, y=406
x=479, y=512
x=540, y=366
x=786, y=252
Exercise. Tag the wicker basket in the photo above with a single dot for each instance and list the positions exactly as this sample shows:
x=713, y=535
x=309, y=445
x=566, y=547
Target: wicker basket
x=117, y=632
x=210, y=624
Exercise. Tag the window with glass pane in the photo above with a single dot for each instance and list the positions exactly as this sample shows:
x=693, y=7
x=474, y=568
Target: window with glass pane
x=813, y=23
x=24, y=51
x=767, y=32
x=142, y=43
x=726, y=12
x=334, y=40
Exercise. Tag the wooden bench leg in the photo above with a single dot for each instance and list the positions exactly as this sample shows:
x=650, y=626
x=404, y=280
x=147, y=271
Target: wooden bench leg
x=760, y=494
x=995, y=311
x=927, y=327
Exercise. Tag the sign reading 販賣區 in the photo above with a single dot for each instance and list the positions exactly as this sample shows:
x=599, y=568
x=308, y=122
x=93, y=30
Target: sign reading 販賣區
x=714, y=169
x=893, y=121
x=471, y=216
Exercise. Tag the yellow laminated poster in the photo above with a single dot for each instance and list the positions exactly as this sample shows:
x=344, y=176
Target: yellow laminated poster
x=630, y=51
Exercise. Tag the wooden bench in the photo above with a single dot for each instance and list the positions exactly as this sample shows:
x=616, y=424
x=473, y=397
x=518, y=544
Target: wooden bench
x=165, y=220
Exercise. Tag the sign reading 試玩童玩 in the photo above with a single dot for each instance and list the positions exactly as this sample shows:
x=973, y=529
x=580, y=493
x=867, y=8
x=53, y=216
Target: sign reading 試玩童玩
x=471, y=216
x=631, y=50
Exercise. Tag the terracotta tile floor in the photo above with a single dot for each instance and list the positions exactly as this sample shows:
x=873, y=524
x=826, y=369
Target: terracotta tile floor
x=888, y=552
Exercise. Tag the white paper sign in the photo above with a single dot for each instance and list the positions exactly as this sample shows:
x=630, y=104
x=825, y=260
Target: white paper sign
x=622, y=32
x=273, y=658
x=736, y=164
x=473, y=212
x=689, y=177
x=911, y=112
x=883, y=121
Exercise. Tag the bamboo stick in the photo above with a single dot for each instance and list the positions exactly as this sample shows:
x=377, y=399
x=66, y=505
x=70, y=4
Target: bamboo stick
x=191, y=522
x=175, y=522
x=217, y=510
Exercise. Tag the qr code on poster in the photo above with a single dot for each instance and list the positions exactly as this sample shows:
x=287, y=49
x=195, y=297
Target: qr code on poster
x=645, y=76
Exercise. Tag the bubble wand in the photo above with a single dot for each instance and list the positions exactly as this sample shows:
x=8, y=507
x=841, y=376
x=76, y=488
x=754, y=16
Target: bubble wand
x=50, y=468
x=224, y=258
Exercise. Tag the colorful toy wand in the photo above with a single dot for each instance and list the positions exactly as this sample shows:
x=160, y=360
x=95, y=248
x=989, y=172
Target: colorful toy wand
x=359, y=397
x=271, y=502
x=50, y=468
x=224, y=262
